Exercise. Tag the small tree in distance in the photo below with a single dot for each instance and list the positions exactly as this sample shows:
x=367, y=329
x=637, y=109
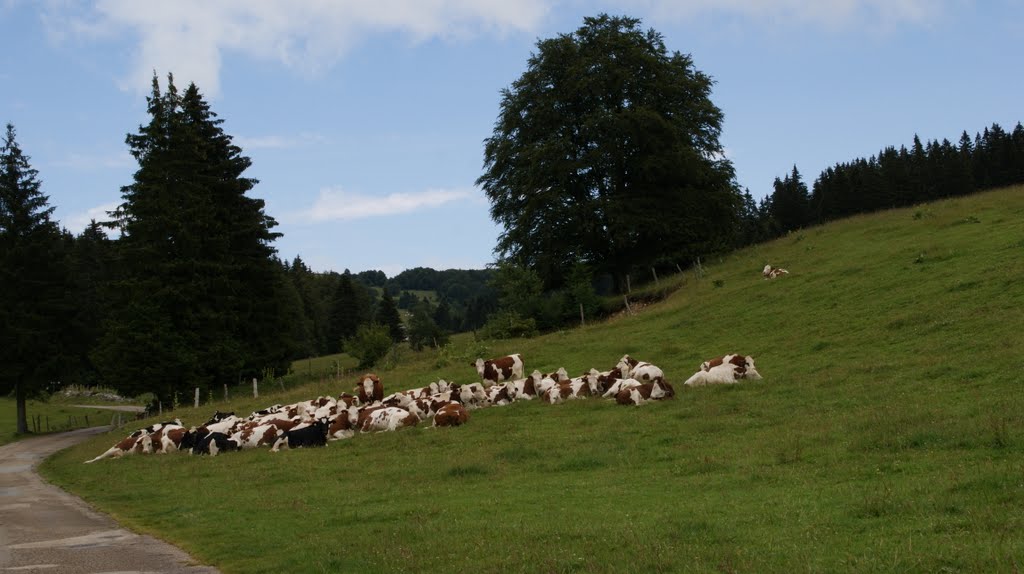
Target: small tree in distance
x=370, y=344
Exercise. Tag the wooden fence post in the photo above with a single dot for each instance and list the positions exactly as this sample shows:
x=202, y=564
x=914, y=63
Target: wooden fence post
x=655, y=273
x=255, y=389
x=583, y=321
x=225, y=391
x=197, y=398
x=628, y=308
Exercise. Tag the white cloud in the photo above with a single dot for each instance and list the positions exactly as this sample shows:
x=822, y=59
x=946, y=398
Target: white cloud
x=335, y=204
x=190, y=37
x=84, y=161
x=832, y=13
x=77, y=222
x=278, y=142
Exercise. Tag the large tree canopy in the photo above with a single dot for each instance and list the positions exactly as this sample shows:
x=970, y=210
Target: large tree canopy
x=606, y=152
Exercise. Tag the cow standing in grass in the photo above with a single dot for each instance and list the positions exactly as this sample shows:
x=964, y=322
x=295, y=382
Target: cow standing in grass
x=494, y=371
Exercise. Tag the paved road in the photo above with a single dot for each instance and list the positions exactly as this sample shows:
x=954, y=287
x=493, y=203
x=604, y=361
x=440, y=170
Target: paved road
x=46, y=530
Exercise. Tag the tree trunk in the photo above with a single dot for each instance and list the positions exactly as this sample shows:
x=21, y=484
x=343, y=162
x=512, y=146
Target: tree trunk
x=19, y=393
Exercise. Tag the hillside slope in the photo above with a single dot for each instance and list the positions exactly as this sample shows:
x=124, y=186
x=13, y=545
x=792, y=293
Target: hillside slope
x=885, y=436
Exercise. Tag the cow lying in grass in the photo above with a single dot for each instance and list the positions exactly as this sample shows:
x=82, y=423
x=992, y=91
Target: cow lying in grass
x=726, y=369
x=325, y=418
x=655, y=390
x=770, y=272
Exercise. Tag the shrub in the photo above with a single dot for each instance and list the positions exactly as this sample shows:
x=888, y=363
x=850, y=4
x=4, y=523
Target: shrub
x=370, y=344
x=508, y=325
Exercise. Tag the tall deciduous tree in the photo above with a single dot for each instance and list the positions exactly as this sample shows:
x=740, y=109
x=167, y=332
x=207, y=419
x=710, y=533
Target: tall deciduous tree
x=606, y=151
x=33, y=273
x=199, y=291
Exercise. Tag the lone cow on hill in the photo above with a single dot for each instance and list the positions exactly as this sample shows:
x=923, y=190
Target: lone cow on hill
x=502, y=369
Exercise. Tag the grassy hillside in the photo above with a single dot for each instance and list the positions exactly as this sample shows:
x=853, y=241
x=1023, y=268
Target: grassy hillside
x=887, y=434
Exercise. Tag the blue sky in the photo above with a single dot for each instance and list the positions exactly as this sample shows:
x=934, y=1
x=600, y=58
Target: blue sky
x=365, y=119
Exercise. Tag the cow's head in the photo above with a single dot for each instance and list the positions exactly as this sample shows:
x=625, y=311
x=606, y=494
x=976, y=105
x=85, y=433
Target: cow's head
x=662, y=390
x=479, y=364
x=626, y=363
x=751, y=371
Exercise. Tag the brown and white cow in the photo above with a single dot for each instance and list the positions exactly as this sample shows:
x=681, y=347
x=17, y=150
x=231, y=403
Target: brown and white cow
x=543, y=383
x=168, y=438
x=606, y=379
x=770, y=272
x=389, y=419
x=494, y=371
x=472, y=396
x=501, y=395
x=557, y=393
x=451, y=415
x=253, y=435
x=639, y=370
x=559, y=376
x=370, y=389
x=640, y=394
x=343, y=424
x=526, y=389
x=132, y=444
x=571, y=389
x=618, y=386
x=725, y=370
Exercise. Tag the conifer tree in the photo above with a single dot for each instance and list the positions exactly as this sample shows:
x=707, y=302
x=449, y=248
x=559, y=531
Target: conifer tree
x=346, y=313
x=387, y=315
x=790, y=202
x=33, y=274
x=199, y=293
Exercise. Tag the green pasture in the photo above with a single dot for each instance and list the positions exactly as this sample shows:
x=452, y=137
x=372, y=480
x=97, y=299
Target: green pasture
x=50, y=416
x=886, y=436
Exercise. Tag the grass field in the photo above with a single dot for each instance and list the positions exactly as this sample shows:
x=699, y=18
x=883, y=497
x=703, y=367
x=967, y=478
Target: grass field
x=886, y=436
x=52, y=417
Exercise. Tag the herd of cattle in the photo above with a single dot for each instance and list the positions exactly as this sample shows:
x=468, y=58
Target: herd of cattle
x=315, y=422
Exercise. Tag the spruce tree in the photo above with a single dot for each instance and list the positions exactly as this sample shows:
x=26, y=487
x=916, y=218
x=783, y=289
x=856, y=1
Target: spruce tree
x=387, y=315
x=200, y=297
x=346, y=314
x=790, y=202
x=33, y=272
